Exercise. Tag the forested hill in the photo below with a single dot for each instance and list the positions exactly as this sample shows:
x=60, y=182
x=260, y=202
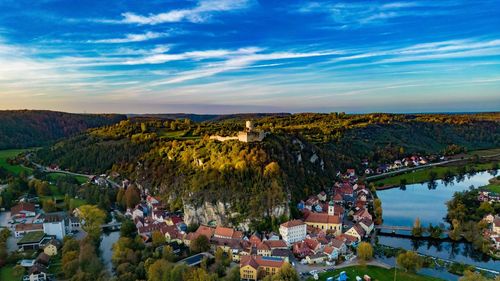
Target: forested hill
x=29, y=128
x=301, y=155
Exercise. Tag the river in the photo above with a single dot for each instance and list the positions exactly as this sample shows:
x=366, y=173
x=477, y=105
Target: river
x=106, y=247
x=428, y=202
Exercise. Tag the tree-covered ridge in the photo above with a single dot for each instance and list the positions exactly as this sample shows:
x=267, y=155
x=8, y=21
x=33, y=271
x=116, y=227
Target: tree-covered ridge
x=29, y=128
x=177, y=160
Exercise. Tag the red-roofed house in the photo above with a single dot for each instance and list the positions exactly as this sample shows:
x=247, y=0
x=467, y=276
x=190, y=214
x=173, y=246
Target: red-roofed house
x=227, y=233
x=23, y=209
x=257, y=267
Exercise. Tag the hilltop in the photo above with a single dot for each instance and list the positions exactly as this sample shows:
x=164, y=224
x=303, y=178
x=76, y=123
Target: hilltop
x=234, y=181
x=29, y=128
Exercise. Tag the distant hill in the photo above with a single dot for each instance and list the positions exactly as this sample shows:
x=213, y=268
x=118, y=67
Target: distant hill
x=207, y=117
x=29, y=128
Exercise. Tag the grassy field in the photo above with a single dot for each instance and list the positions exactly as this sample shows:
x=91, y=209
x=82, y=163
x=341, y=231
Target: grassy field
x=53, y=177
x=486, y=152
x=6, y=273
x=180, y=135
x=422, y=175
x=376, y=273
x=494, y=185
x=9, y=153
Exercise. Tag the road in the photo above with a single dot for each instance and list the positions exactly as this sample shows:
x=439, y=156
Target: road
x=301, y=268
x=49, y=170
x=404, y=170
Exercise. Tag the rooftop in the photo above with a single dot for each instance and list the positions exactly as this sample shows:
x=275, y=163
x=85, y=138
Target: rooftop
x=32, y=237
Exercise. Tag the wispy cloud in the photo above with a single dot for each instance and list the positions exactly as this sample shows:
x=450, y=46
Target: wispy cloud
x=357, y=14
x=238, y=60
x=129, y=38
x=202, y=12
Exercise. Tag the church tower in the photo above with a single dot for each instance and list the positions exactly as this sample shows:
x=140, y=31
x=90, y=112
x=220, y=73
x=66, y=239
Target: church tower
x=331, y=208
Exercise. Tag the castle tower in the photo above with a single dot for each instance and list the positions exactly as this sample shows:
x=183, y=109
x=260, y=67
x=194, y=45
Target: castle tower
x=331, y=208
x=249, y=126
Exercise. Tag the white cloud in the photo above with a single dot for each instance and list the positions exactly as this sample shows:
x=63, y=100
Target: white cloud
x=200, y=13
x=356, y=14
x=129, y=38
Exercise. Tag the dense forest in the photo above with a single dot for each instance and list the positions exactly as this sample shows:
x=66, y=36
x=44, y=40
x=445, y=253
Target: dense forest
x=301, y=155
x=30, y=128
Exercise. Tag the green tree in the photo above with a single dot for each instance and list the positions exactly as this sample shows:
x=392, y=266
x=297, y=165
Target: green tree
x=409, y=261
x=200, y=244
x=128, y=229
x=159, y=271
x=132, y=196
x=158, y=238
x=364, y=252
x=286, y=273
x=167, y=253
x=199, y=274
x=18, y=271
x=49, y=206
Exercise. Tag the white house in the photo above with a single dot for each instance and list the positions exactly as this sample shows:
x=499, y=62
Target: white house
x=55, y=225
x=293, y=231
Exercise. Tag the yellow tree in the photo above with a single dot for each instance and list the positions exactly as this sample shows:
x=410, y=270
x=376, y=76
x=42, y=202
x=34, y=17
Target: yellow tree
x=364, y=252
x=93, y=218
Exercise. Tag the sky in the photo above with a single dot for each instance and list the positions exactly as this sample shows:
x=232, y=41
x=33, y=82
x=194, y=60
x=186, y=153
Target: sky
x=231, y=56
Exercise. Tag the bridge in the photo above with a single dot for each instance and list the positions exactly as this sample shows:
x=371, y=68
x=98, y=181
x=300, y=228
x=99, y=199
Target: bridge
x=112, y=225
x=393, y=228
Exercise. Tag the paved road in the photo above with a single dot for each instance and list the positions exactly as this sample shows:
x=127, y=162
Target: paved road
x=49, y=170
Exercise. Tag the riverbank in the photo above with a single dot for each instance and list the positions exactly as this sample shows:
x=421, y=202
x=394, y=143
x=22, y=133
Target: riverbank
x=435, y=173
x=429, y=205
x=376, y=273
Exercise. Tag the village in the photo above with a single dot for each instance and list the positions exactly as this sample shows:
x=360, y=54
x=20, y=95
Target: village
x=333, y=222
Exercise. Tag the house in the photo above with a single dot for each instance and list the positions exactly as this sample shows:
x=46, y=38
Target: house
x=55, y=224
x=337, y=198
x=361, y=214
x=356, y=231
x=43, y=259
x=496, y=226
x=257, y=267
x=331, y=253
x=263, y=249
x=489, y=218
x=313, y=244
x=322, y=196
x=23, y=210
x=202, y=230
x=293, y=231
x=24, y=228
x=227, y=233
x=351, y=172
x=266, y=247
x=316, y=258
x=339, y=245
x=301, y=249
x=52, y=247
x=367, y=225
x=281, y=253
x=36, y=273
x=326, y=221
x=33, y=240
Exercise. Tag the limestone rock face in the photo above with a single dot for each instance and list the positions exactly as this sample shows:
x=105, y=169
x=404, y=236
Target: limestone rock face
x=220, y=214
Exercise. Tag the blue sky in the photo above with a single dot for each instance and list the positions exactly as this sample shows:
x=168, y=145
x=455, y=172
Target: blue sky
x=225, y=56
